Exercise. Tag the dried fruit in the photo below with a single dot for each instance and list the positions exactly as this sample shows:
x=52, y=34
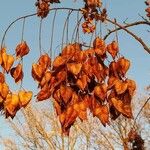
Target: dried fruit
x=2, y=78
x=59, y=61
x=24, y=98
x=101, y=91
x=7, y=61
x=22, y=49
x=120, y=86
x=123, y=65
x=37, y=72
x=66, y=93
x=74, y=68
x=4, y=90
x=45, y=61
x=11, y=105
x=44, y=94
x=99, y=46
x=113, y=49
x=125, y=109
x=17, y=73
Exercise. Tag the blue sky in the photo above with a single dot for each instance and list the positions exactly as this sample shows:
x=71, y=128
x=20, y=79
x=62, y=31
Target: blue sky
x=119, y=9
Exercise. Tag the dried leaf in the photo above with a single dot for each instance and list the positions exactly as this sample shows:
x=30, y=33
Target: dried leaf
x=84, y=104
x=127, y=98
x=111, y=95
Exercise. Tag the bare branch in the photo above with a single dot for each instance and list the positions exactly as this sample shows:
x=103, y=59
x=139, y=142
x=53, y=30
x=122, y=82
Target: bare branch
x=126, y=26
x=132, y=34
x=31, y=15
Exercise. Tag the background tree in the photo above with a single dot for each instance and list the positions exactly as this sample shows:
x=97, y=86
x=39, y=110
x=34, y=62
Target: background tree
x=40, y=129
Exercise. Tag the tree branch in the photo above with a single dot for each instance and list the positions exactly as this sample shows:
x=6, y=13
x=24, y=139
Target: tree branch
x=126, y=26
x=30, y=15
x=140, y=111
x=132, y=34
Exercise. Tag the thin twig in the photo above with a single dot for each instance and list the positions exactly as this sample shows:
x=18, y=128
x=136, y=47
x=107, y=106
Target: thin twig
x=31, y=15
x=40, y=35
x=69, y=13
x=77, y=31
x=52, y=35
x=23, y=29
x=132, y=34
x=140, y=111
x=76, y=28
x=2, y=42
x=126, y=26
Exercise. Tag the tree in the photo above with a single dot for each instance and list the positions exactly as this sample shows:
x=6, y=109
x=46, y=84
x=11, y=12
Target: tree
x=87, y=74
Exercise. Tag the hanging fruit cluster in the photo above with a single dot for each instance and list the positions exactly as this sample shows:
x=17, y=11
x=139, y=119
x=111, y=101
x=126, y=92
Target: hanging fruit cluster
x=11, y=102
x=90, y=13
x=148, y=8
x=43, y=7
x=81, y=79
